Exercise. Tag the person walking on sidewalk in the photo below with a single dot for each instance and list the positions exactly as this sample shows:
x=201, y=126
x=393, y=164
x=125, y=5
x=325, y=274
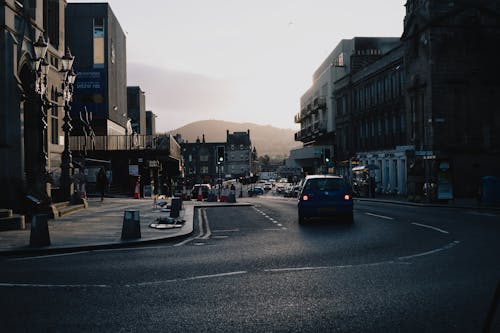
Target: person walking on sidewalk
x=102, y=182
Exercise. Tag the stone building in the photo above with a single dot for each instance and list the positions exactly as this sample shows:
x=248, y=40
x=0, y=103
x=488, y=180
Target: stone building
x=451, y=89
x=423, y=113
x=200, y=158
x=238, y=154
x=31, y=136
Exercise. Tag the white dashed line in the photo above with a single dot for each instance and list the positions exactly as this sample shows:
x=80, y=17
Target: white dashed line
x=270, y=219
x=38, y=285
x=431, y=227
x=380, y=216
x=446, y=247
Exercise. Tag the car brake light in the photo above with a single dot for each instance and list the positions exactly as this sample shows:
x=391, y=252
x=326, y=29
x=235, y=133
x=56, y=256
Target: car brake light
x=305, y=197
x=347, y=197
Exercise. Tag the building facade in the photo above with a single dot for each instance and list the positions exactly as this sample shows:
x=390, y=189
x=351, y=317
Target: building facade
x=452, y=116
x=318, y=107
x=238, y=154
x=99, y=44
x=31, y=136
x=371, y=120
x=136, y=109
x=199, y=160
x=418, y=111
x=201, y=164
x=150, y=123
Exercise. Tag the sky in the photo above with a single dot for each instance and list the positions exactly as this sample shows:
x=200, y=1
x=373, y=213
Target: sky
x=239, y=60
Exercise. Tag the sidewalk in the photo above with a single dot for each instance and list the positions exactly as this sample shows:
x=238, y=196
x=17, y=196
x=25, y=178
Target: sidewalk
x=98, y=227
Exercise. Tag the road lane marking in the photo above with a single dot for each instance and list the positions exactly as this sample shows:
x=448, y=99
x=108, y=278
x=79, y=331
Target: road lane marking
x=380, y=216
x=313, y=268
x=200, y=277
x=37, y=285
x=48, y=256
x=200, y=231
x=446, y=247
x=269, y=218
x=431, y=227
x=207, y=226
x=226, y=230
x=481, y=214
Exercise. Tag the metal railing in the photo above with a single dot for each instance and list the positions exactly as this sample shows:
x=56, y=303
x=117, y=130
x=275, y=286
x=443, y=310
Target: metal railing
x=126, y=142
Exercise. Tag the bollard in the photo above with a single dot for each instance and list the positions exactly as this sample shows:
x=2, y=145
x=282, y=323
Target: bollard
x=176, y=207
x=131, y=225
x=39, y=230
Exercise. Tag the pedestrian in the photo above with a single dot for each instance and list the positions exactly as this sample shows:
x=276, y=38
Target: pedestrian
x=102, y=182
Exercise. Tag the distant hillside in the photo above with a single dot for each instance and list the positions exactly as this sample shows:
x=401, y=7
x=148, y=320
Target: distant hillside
x=268, y=140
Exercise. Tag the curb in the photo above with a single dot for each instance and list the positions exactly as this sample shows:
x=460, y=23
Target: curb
x=89, y=247
x=115, y=245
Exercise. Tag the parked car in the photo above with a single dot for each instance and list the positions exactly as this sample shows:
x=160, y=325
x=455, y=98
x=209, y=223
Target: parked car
x=267, y=186
x=205, y=189
x=325, y=196
x=256, y=191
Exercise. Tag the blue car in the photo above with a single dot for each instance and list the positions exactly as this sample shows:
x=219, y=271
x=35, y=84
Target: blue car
x=325, y=196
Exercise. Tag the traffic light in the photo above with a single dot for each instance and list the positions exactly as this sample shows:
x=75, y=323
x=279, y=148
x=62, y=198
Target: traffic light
x=326, y=156
x=220, y=154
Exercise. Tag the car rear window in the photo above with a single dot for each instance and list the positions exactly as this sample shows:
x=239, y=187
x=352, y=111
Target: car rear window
x=326, y=184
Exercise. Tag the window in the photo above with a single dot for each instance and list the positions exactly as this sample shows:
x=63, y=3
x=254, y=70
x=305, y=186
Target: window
x=204, y=169
x=54, y=119
x=327, y=184
x=380, y=91
x=387, y=88
x=203, y=158
x=373, y=94
x=394, y=90
x=401, y=82
x=99, y=42
x=386, y=124
x=51, y=21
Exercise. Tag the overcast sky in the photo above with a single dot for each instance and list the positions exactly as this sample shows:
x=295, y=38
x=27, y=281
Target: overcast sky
x=239, y=60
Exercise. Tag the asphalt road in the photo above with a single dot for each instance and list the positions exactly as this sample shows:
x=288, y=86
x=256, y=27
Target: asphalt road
x=254, y=269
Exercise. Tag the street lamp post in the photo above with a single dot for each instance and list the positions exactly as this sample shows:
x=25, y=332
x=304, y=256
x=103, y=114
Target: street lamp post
x=37, y=175
x=68, y=80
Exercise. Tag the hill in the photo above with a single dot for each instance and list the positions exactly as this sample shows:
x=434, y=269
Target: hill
x=273, y=141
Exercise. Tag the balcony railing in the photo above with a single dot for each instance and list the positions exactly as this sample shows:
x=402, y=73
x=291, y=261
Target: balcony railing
x=319, y=103
x=126, y=142
x=315, y=130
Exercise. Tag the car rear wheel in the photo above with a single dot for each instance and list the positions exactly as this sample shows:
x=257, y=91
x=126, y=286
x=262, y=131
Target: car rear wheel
x=301, y=219
x=349, y=218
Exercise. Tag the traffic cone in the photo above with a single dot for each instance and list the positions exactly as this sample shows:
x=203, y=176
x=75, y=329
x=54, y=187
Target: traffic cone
x=137, y=190
x=200, y=195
